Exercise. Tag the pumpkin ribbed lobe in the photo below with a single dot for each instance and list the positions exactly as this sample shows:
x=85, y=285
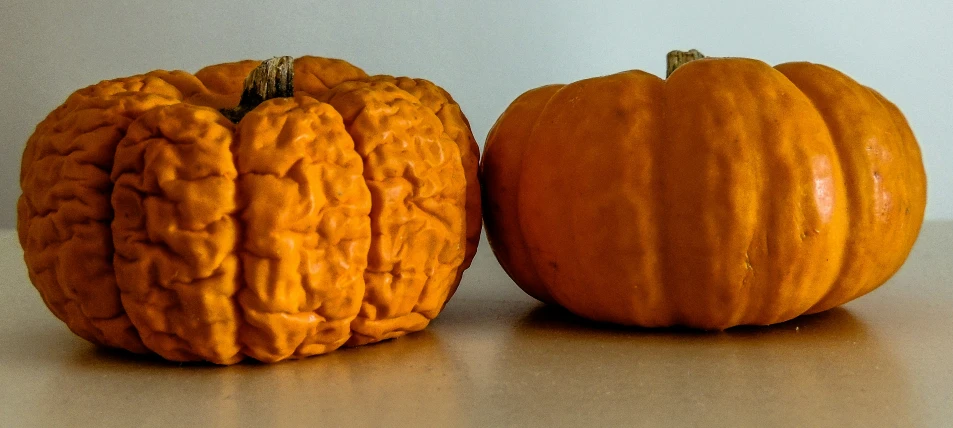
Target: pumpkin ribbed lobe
x=914, y=175
x=574, y=247
x=64, y=213
x=413, y=170
x=499, y=175
x=730, y=184
x=305, y=210
x=882, y=173
x=456, y=127
x=174, y=232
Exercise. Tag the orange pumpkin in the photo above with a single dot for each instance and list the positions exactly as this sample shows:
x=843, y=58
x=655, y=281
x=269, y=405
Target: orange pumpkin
x=340, y=213
x=731, y=193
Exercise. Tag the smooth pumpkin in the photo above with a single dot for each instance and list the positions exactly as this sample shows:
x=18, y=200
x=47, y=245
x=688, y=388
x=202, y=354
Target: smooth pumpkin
x=329, y=208
x=731, y=193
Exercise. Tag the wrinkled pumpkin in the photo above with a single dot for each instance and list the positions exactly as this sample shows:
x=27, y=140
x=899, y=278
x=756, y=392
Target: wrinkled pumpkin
x=214, y=217
x=731, y=193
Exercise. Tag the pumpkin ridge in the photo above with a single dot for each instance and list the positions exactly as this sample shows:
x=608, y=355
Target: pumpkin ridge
x=669, y=294
x=241, y=230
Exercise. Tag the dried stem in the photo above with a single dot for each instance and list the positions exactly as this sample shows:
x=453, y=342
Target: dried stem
x=677, y=59
x=274, y=78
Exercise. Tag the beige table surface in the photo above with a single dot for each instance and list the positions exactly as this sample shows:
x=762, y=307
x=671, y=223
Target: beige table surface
x=497, y=358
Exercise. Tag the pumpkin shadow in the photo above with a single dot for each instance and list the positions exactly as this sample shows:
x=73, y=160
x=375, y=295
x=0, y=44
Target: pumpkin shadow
x=395, y=377
x=826, y=369
x=101, y=356
x=554, y=317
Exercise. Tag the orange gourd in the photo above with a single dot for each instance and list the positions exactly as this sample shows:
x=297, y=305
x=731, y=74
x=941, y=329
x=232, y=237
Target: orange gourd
x=731, y=193
x=329, y=208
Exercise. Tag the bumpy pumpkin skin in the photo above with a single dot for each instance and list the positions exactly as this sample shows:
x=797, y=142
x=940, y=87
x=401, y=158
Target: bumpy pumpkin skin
x=732, y=193
x=342, y=216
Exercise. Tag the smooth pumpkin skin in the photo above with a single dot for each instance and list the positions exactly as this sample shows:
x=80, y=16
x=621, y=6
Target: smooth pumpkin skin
x=732, y=193
x=152, y=223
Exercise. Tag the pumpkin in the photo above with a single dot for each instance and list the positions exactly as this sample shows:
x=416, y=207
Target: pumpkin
x=217, y=217
x=730, y=193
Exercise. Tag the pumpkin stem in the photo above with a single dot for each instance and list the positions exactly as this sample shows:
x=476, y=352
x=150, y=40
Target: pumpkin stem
x=274, y=78
x=677, y=59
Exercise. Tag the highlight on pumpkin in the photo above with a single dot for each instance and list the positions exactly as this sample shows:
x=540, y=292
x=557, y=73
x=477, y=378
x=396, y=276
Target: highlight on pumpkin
x=267, y=210
x=730, y=193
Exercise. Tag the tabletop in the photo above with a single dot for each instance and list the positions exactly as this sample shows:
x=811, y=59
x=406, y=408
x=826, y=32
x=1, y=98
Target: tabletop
x=496, y=357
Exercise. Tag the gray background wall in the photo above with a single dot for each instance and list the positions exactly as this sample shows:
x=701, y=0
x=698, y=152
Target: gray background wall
x=484, y=53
